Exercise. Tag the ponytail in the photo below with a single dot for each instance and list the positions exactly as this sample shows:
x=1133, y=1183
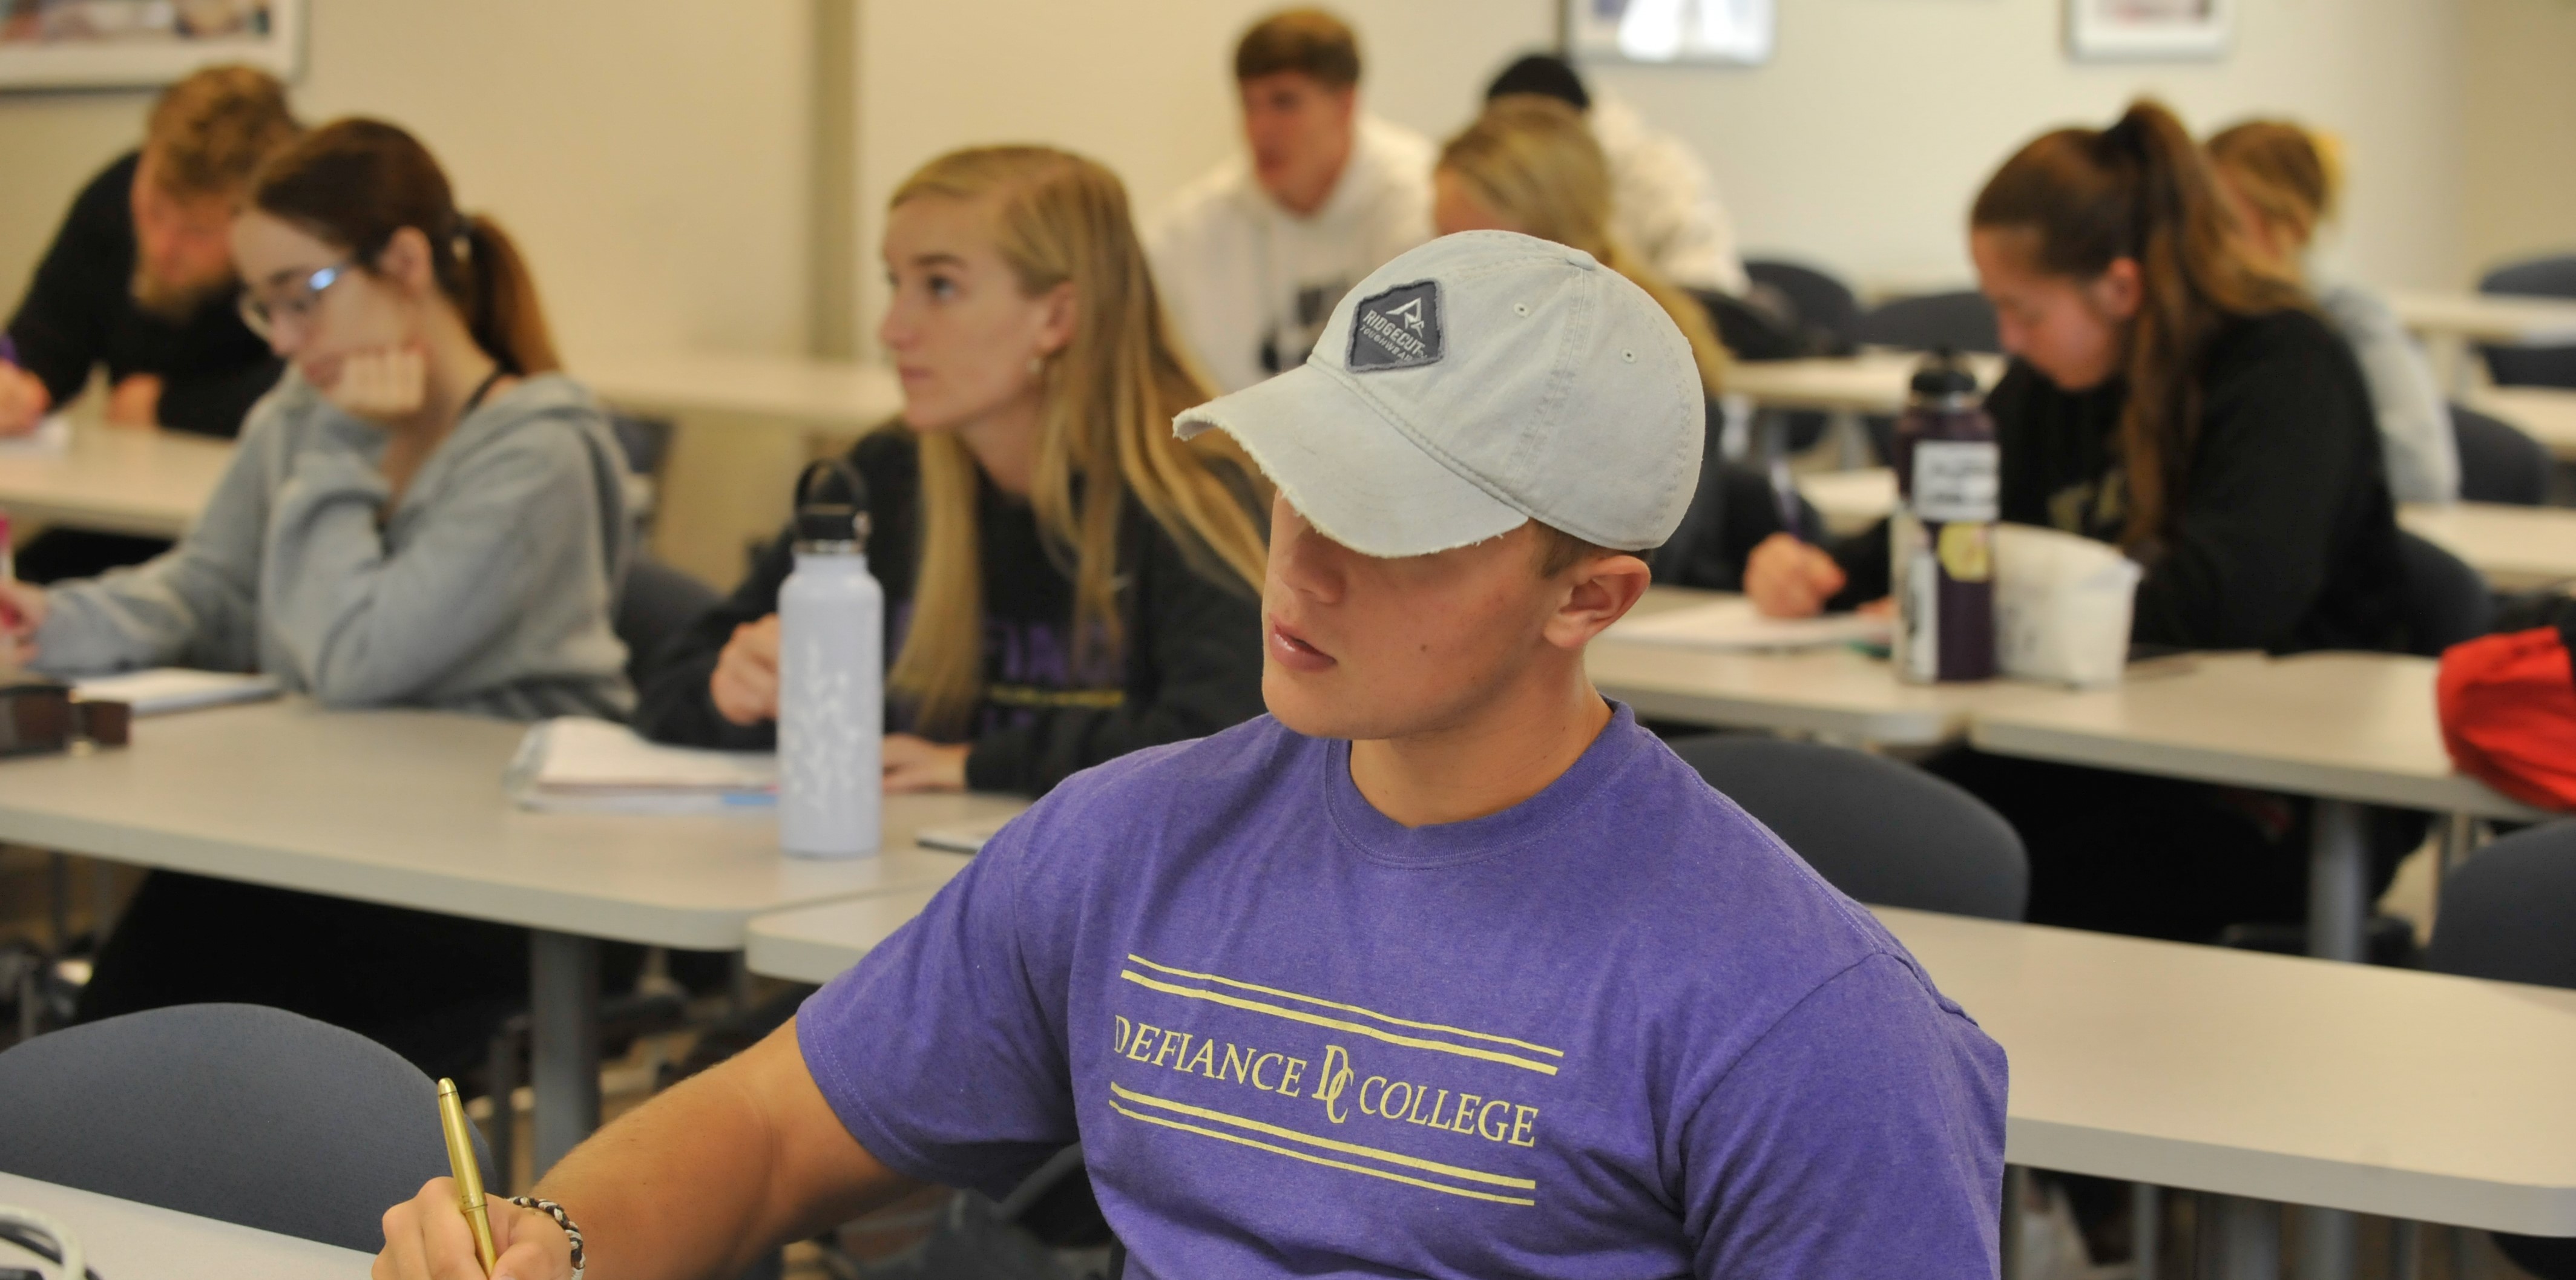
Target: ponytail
x=356, y=182
x=499, y=300
x=2140, y=190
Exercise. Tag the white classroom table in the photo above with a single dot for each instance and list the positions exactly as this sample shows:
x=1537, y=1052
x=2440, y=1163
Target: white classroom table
x=836, y=396
x=2546, y=414
x=1834, y=692
x=2348, y=729
x=2500, y=319
x=406, y=808
x=2449, y=322
x=1872, y=382
x=135, y=480
x=2514, y=548
x=128, y=1241
x=1850, y=501
x=2347, y=1087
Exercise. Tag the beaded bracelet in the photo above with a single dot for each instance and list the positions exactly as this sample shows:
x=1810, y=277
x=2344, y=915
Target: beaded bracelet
x=562, y=1219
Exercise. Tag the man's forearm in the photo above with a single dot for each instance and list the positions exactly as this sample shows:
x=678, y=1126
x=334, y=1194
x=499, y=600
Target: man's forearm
x=709, y=1176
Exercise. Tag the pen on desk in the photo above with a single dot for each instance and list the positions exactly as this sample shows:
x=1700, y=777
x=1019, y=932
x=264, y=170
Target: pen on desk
x=469, y=1173
x=1784, y=491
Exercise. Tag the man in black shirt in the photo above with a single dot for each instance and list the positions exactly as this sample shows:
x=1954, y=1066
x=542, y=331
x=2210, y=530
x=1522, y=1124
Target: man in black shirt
x=140, y=279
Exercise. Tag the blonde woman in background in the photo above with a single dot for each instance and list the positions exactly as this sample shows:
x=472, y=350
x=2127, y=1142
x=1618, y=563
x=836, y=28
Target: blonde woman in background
x=2282, y=182
x=1531, y=164
x=1065, y=581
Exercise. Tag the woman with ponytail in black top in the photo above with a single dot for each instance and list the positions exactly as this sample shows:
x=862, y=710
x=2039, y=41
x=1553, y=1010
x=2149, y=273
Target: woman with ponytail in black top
x=2170, y=395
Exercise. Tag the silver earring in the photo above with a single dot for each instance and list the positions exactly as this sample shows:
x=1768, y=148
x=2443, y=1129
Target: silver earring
x=1037, y=366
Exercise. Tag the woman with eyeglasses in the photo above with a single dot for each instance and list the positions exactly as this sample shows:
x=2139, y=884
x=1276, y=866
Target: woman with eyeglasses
x=423, y=512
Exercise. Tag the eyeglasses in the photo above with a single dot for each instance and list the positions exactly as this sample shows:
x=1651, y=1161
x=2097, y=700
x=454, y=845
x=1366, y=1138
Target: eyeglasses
x=294, y=302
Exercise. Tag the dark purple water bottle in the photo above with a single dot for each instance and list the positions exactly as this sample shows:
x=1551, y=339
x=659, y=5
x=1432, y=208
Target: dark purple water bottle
x=1942, y=541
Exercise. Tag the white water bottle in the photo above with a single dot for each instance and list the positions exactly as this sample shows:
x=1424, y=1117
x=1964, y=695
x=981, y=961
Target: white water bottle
x=831, y=675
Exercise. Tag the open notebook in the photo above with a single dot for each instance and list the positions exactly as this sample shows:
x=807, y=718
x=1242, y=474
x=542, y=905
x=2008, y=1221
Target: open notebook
x=1732, y=623
x=577, y=763
x=161, y=690
x=52, y=438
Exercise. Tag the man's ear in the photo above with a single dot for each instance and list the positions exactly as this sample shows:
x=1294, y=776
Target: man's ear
x=1599, y=590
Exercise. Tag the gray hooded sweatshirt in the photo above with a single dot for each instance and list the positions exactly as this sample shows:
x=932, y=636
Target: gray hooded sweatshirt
x=488, y=589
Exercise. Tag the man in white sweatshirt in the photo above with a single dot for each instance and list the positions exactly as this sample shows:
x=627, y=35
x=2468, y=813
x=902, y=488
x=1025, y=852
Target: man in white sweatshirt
x=1252, y=257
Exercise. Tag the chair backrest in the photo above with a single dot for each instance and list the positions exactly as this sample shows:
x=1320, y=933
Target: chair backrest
x=1886, y=833
x=1822, y=302
x=645, y=441
x=2498, y=463
x=2509, y=912
x=656, y=603
x=234, y=1112
x=2533, y=366
x=1963, y=321
x=2446, y=600
x=1762, y=326
x=2553, y=277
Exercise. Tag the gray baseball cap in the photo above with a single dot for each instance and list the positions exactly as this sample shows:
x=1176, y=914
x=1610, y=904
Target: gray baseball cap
x=1482, y=380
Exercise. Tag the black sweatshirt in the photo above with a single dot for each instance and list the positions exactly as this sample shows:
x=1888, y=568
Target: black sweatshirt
x=1193, y=646
x=2285, y=538
x=79, y=312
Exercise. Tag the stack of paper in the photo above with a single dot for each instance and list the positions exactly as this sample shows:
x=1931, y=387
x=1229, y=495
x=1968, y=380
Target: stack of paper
x=575, y=763
x=161, y=690
x=1732, y=623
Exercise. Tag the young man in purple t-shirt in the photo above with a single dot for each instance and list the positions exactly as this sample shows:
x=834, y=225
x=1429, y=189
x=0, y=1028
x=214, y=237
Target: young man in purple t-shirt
x=1444, y=968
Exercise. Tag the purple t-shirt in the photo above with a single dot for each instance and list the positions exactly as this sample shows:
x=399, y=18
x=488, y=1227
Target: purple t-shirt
x=1617, y=1030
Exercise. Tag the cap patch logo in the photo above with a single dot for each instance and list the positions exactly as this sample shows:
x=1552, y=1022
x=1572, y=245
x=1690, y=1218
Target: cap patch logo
x=1397, y=329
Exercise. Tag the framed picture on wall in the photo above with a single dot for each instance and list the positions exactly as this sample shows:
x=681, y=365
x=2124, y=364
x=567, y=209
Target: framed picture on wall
x=90, y=44
x=2139, y=30
x=1721, y=31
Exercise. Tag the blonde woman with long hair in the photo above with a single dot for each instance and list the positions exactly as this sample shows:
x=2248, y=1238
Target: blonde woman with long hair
x=1065, y=580
x=2283, y=183
x=1531, y=164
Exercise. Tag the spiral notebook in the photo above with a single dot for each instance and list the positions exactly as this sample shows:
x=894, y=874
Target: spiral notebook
x=575, y=763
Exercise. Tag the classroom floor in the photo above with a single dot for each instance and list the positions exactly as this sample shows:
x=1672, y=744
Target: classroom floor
x=31, y=881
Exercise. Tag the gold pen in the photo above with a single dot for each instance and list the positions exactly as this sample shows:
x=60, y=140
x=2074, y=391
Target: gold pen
x=469, y=1173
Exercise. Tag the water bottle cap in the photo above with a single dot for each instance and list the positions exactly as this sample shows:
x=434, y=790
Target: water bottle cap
x=1941, y=374
x=831, y=503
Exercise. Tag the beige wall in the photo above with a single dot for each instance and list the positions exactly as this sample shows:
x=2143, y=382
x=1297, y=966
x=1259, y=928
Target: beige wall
x=651, y=153
x=1858, y=146
x=1863, y=141
x=1143, y=85
x=2518, y=135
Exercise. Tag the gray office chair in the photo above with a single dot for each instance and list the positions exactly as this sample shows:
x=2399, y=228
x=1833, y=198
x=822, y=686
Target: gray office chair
x=2498, y=462
x=234, y=1112
x=1884, y=832
x=1824, y=304
x=2509, y=914
x=2446, y=600
x=1961, y=321
x=656, y=603
x=2532, y=366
